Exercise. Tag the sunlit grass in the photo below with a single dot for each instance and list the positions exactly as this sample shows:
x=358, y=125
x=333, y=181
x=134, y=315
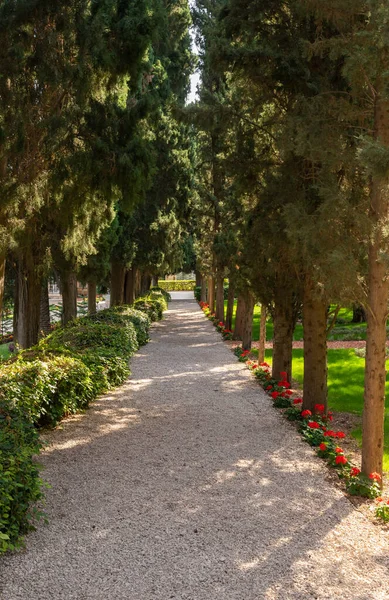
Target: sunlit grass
x=4, y=352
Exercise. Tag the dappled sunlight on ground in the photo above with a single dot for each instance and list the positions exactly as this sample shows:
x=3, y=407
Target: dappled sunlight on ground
x=186, y=484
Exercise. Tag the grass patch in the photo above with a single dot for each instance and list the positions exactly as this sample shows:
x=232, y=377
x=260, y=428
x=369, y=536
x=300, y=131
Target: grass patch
x=4, y=352
x=345, y=386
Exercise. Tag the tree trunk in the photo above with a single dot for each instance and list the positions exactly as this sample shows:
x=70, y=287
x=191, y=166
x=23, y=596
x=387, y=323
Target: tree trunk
x=154, y=281
x=262, y=335
x=198, y=278
x=69, y=297
x=16, y=305
x=203, y=296
x=211, y=293
x=247, y=320
x=145, y=284
x=230, y=306
x=220, y=297
x=240, y=307
x=29, y=300
x=2, y=280
x=138, y=282
x=129, y=287
x=118, y=273
x=377, y=302
x=359, y=314
x=92, y=293
x=44, y=318
x=315, y=347
x=283, y=333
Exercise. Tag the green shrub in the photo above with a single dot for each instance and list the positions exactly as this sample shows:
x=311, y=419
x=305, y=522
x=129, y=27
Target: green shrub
x=20, y=484
x=84, y=334
x=197, y=293
x=177, y=286
x=108, y=369
x=164, y=292
x=47, y=389
x=149, y=307
x=121, y=315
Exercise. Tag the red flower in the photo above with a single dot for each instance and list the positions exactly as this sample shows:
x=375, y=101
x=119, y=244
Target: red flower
x=269, y=387
x=254, y=366
x=340, y=434
x=284, y=375
x=330, y=433
x=264, y=364
x=354, y=472
x=375, y=476
x=323, y=447
x=297, y=401
x=288, y=392
x=341, y=460
x=306, y=413
x=313, y=425
x=338, y=450
x=319, y=408
x=274, y=395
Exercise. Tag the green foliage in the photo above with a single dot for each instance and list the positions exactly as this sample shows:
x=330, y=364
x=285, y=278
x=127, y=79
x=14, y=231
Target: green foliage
x=47, y=389
x=20, y=483
x=361, y=485
x=164, y=292
x=121, y=315
x=177, y=286
x=197, y=293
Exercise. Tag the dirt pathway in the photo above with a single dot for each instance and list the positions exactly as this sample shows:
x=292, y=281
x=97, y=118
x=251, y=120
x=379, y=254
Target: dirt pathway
x=186, y=484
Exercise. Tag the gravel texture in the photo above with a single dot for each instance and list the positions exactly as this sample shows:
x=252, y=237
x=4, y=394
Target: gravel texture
x=185, y=483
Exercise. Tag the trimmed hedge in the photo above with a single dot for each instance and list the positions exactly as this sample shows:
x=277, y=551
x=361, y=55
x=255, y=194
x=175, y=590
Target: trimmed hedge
x=177, y=286
x=58, y=377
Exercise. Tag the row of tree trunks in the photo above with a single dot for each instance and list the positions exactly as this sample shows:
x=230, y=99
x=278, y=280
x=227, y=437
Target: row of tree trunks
x=315, y=306
x=283, y=333
x=128, y=284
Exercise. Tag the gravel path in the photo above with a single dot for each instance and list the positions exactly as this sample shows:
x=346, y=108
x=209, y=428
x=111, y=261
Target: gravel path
x=185, y=483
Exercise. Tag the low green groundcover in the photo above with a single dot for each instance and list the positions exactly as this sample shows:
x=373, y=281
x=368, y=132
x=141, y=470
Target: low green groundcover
x=58, y=377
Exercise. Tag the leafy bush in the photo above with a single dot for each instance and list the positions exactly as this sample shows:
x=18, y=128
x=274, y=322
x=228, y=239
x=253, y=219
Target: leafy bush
x=83, y=334
x=187, y=285
x=47, y=389
x=121, y=315
x=197, y=293
x=164, y=292
x=20, y=484
x=150, y=307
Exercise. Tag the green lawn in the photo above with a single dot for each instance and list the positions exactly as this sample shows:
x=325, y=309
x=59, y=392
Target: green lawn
x=345, y=386
x=4, y=352
x=346, y=330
